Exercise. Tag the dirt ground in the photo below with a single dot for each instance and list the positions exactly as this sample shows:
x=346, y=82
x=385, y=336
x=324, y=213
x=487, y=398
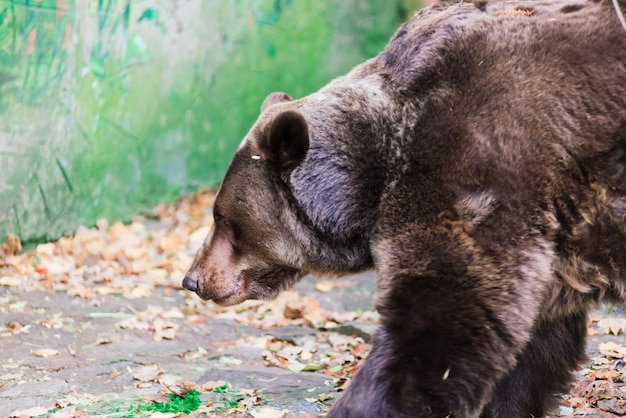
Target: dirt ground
x=97, y=325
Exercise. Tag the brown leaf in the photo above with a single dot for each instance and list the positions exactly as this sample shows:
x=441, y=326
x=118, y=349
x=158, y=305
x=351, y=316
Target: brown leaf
x=147, y=373
x=609, y=374
x=212, y=384
x=81, y=291
x=176, y=385
x=616, y=406
x=307, y=308
x=249, y=402
x=164, y=329
x=11, y=246
x=612, y=325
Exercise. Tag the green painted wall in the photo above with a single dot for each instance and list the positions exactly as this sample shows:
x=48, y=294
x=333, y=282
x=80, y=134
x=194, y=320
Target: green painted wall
x=108, y=107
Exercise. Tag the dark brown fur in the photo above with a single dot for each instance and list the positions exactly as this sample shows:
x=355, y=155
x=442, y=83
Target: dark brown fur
x=478, y=164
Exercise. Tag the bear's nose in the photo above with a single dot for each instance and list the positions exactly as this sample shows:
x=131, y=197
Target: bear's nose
x=190, y=284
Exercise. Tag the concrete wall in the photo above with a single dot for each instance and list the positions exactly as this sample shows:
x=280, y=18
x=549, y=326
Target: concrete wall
x=108, y=107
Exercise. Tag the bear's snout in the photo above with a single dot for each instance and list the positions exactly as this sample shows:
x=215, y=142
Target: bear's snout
x=190, y=284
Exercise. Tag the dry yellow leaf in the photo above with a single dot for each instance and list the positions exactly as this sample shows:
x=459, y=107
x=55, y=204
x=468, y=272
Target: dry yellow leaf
x=117, y=230
x=45, y=352
x=11, y=376
x=267, y=412
x=612, y=350
x=31, y=412
x=138, y=293
x=45, y=249
x=171, y=243
x=324, y=286
x=197, y=237
x=11, y=281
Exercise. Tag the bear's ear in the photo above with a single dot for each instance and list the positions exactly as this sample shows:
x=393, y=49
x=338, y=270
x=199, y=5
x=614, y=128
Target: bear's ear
x=273, y=98
x=287, y=139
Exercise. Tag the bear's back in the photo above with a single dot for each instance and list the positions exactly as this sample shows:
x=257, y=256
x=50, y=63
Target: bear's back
x=541, y=68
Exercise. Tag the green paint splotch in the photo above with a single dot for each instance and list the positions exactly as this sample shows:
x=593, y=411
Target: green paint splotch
x=109, y=107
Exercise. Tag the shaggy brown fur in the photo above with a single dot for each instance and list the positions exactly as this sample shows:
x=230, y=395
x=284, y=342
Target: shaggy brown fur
x=478, y=164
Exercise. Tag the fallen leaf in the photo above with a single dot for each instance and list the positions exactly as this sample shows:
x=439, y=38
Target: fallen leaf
x=41, y=270
x=598, y=361
x=31, y=412
x=612, y=325
x=296, y=366
x=616, y=406
x=45, y=249
x=11, y=365
x=11, y=376
x=230, y=360
x=69, y=413
x=212, y=384
x=138, y=293
x=324, y=286
x=147, y=373
x=117, y=230
x=612, y=349
x=171, y=242
x=197, y=237
x=176, y=385
x=11, y=281
x=267, y=412
x=164, y=329
x=18, y=306
x=81, y=291
x=11, y=246
x=249, y=401
x=609, y=374
x=173, y=313
x=134, y=323
x=45, y=352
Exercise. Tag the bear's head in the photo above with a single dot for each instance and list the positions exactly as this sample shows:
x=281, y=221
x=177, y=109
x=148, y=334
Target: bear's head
x=249, y=252
x=285, y=208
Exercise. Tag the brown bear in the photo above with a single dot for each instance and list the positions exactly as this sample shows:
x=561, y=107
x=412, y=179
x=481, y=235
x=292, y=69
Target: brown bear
x=478, y=164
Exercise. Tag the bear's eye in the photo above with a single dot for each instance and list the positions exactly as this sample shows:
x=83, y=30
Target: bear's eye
x=219, y=219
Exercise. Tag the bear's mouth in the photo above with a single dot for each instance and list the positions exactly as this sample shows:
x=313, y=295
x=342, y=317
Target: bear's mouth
x=225, y=299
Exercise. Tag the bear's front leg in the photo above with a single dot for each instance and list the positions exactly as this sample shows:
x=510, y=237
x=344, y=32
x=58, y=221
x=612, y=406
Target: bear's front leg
x=431, y=358
x=454, y=320
x=382, y=388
